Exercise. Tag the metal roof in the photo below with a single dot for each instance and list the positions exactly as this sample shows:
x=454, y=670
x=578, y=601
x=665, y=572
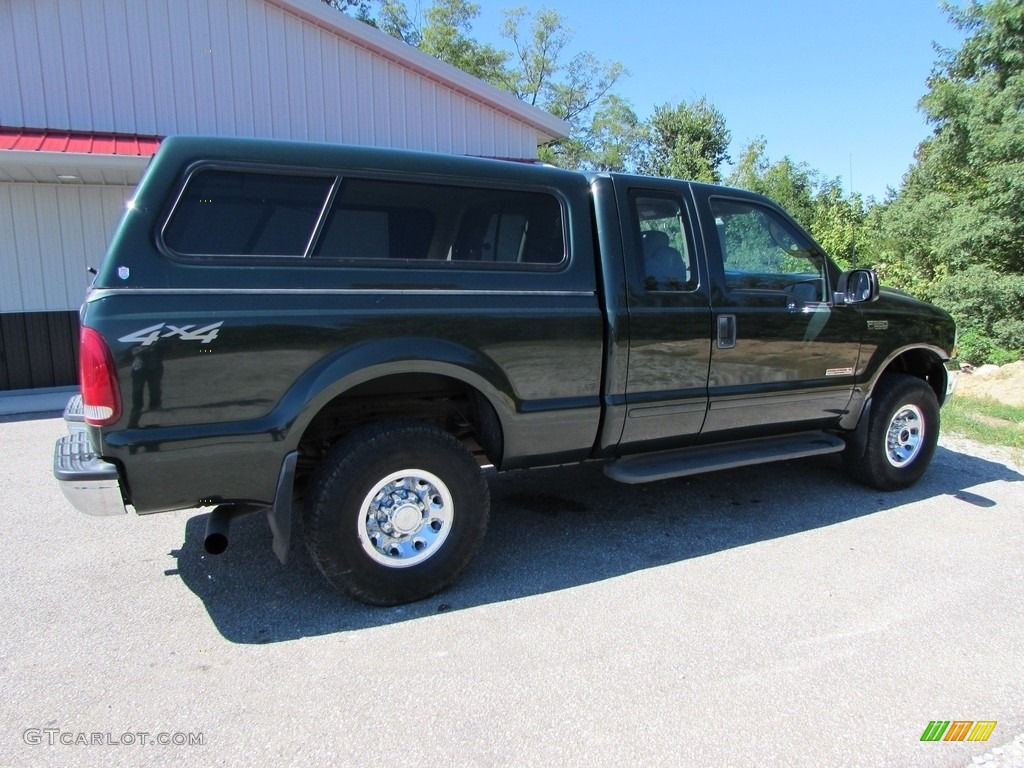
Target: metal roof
x=80, y=142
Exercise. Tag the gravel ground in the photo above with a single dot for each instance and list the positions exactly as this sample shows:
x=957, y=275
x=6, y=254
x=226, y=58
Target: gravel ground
x=778, y=615
x=996, y=453
x=1010, y=755
x=1007, y=756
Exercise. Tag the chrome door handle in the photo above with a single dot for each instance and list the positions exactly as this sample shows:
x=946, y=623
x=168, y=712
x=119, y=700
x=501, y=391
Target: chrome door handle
x=726, y=331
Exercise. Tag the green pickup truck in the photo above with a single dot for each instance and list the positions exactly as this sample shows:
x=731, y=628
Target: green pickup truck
x=356, y=336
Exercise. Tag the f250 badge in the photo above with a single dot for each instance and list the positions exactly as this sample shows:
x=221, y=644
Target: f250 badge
x=152, y=334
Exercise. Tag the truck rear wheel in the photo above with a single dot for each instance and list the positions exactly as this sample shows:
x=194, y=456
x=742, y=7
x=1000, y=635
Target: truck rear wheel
x=396, y=512
x=901, y=435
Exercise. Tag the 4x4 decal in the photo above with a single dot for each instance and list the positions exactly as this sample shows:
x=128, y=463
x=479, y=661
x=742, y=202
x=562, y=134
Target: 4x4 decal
x=152, y=334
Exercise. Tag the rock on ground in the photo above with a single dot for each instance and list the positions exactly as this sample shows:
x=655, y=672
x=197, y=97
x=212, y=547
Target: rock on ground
x=1002, y=383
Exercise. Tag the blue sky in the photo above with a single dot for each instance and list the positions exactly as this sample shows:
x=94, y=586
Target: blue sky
x=827, y=82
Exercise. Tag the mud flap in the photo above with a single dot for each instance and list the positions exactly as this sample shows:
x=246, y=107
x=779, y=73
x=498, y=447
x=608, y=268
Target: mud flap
x=279, y=516
x=858, y=438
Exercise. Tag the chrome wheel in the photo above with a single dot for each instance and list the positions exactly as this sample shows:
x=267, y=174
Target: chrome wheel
x=895, y=446
x=905, y=435
x=379, y=519
x=405, y=518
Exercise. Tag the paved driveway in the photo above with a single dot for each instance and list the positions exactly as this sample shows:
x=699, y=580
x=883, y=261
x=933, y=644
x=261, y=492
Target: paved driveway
x=779, y=615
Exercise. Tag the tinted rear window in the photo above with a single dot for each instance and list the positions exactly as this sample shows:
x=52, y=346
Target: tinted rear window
x=224, y=213
x=406, y=220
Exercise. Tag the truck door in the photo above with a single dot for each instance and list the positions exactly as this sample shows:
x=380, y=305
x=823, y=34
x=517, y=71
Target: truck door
x=783, y=357
x=669, y=318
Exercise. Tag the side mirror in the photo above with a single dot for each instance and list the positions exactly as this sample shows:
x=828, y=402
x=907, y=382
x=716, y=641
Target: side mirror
x=858, y=286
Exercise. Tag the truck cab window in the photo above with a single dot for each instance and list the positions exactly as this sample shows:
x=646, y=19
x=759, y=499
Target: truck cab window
x=761, y=251
x=665, y=256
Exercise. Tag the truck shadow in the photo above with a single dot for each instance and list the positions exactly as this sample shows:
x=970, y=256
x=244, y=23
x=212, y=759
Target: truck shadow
x=557, y=529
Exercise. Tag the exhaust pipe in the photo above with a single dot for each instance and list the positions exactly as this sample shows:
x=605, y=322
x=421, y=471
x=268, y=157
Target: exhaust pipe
x=218, y=523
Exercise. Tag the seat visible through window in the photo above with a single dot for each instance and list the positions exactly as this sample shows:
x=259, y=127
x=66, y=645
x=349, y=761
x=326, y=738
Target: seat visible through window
x=663, y=262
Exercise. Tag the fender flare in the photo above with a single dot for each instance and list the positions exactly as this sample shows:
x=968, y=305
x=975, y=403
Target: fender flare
x=375, y=359
x=862, y=393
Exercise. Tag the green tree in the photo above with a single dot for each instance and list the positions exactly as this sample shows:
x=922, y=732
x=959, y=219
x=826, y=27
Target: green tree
x=837, y=221
x=961, y=205
x=537, y=47
x=444, y=30
x=614, y=140
x=688, y=141
x=989, y=310
x=790, y=184
x=578, y=90
x=394, y=19
x=603, y=128
x=359, y=8
x=962, y=202
x=840, y=225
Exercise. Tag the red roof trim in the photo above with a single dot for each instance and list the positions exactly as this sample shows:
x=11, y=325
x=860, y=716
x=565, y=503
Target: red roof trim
x=82, y=142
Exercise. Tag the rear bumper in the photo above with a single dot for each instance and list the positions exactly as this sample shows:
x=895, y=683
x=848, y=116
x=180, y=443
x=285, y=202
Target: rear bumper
x=91, y=484
x=74, y=414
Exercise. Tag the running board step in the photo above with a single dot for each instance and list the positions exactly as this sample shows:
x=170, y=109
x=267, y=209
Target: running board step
x=648, y=467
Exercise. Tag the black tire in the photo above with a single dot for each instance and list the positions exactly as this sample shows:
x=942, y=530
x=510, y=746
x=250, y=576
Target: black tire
x=902, y=431
x=432, y=504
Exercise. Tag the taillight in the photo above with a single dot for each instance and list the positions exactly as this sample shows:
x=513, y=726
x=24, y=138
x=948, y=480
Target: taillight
x=98, y=377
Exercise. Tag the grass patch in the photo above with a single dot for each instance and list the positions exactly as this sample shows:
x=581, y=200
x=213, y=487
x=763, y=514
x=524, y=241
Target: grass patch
x=985, y=420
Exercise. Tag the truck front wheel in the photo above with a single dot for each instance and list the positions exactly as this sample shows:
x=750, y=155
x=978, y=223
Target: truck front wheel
x=396, y=512
x=901, y=435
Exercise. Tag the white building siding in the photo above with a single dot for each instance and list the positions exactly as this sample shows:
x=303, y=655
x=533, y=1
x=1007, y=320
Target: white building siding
x=57, y=232
x=290, y=69
x=236, y=67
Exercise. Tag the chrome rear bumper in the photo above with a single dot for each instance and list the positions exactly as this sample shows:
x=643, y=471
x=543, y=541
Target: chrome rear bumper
x=91, y=484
